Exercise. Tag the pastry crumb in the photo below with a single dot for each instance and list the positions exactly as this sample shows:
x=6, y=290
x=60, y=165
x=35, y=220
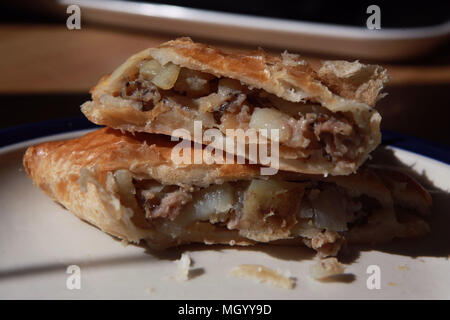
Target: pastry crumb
x=326, y=268
x=263, y=274
x=393, y=284
x=150, y=290
x=402, y=268
x=183, y=265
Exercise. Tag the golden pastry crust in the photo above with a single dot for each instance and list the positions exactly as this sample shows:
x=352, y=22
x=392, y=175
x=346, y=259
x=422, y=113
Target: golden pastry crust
x=287, y=76
x=107, y=150
x=81, y=175
x=339, y=86
x=353, y=80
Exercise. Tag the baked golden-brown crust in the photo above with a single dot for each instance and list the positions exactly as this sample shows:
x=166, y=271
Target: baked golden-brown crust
x=148, y=155
x=340, y=86
x=287, y=76
x=80, y=174
x=353, y=80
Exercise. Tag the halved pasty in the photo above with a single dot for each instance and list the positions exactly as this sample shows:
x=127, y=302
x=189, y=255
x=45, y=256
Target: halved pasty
x=324, y=114
x=128, y=186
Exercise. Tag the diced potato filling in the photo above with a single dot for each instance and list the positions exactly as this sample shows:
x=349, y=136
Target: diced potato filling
x=149, y=69
x=271, y=119
x=167, y=77
x=210, y=204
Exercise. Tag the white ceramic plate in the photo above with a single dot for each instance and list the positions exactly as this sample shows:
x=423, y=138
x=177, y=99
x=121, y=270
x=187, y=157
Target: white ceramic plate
x=39, y=240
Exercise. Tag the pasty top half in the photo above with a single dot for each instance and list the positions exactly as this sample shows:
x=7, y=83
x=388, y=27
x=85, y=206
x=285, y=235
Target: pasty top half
x=323, y=111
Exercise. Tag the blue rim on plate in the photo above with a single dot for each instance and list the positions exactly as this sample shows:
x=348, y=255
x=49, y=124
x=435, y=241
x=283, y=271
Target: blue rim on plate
x=40, y=129
x=417, y=145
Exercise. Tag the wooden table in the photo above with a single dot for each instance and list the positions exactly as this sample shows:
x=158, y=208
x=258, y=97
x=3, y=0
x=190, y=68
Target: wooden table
x=47, y=71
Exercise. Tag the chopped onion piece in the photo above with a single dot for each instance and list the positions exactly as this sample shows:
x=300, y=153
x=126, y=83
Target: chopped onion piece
x=149, y=69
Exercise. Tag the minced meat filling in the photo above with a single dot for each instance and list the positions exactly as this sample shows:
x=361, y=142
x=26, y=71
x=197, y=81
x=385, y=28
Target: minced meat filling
x=326, y=205
x=305, y=129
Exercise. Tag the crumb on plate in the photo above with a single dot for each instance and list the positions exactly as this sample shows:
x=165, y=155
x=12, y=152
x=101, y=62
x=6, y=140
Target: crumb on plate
x=263, y=274
x=150, y=290
x=183, y=265
x=393, y=284
x=402, y=268
x=326, y=268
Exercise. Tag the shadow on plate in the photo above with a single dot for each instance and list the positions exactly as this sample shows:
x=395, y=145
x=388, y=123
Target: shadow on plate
x=62, y=267
x=282, y=252
x=434, y=244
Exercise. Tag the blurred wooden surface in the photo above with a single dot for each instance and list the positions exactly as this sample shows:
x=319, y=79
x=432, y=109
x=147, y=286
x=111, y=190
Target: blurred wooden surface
x=54, y=59
x=46, y=60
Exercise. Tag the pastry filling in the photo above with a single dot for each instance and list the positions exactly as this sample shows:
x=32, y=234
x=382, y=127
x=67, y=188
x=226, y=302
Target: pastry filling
x=261, y=210
x=306, y=130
